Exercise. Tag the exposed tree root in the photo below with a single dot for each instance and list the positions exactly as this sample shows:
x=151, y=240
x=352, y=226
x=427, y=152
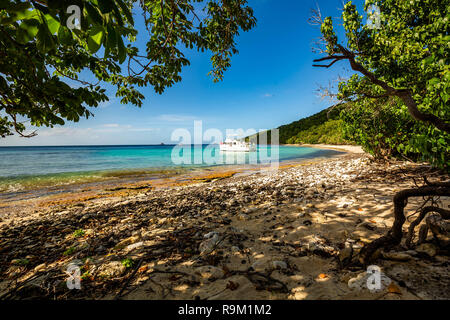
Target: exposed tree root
x=395, y=234
x=445, y=214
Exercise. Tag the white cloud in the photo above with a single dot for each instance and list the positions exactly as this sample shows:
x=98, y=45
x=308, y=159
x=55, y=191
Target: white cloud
x=268, y=95
x=176, y=118
x=65, y=132
x=145, y=130
x=83, y=132
x=110, y=133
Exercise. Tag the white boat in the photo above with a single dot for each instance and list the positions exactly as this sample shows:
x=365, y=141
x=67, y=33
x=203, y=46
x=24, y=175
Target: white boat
x=237, y=146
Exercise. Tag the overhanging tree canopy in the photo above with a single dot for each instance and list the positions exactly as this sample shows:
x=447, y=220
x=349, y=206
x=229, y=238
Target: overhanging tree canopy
x=404, y=56
x=40, y=56
x=407, y=55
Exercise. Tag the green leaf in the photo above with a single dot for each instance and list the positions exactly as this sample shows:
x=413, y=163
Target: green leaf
x=122, y=49
x=112, y=36
x=434, y=81
x=93, y=14
x=14, y=7
x=3, y=84
x=106, y=6
x=52, y=23
x=44, y=39
x=428, y=60
x=107, y=51
x=27, y=30
x=126, y=11
x=95, y=38
x=64, y=35
x=118, y=16
x=22, y=36
x=24, y=14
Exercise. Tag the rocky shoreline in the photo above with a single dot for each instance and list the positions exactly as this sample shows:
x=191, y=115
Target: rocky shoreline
x=281, y=234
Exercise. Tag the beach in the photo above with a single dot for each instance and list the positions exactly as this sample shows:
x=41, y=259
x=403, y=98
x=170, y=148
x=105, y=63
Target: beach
x=345, y=148
x=221, y=233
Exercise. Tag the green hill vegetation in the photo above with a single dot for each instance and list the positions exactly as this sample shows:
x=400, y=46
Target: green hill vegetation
x=329, y=132
x=322, y=127
x=383, y=128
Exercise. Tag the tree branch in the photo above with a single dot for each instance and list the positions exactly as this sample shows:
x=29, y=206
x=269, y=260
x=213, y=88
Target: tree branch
x=404, y=94
x=335, y=59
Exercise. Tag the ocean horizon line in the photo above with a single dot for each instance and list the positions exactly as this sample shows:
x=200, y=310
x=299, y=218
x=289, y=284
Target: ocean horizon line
x=96, y=145
x=128, y=145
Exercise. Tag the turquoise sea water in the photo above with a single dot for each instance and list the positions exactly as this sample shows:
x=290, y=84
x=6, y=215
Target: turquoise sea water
x=22, y=164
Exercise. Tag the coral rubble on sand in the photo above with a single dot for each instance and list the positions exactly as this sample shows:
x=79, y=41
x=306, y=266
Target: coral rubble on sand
x=285, y=234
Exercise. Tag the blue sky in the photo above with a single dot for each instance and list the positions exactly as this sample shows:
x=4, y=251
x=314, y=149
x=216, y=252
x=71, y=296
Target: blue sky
x=271, y=82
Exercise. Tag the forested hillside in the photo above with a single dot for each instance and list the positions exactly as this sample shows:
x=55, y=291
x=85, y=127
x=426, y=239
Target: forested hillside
x=322, y=127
